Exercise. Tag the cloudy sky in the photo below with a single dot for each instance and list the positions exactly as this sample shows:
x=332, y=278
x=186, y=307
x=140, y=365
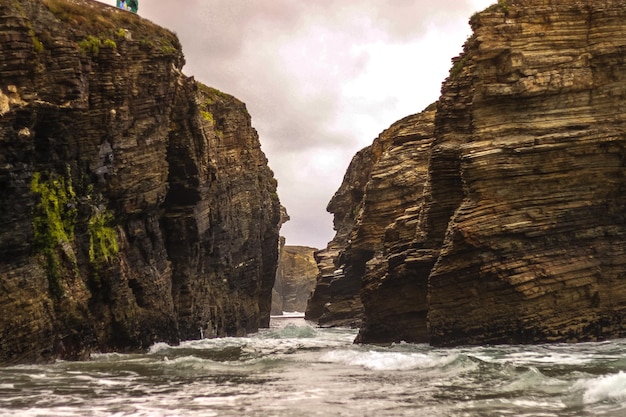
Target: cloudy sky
x=321, y=78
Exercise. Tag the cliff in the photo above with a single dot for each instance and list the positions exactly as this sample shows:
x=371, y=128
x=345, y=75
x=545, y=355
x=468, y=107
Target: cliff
x=335, y=300
x=295, y=279
x=379, y=185
x=540, y=235
x=136, y=204
x=519, y=233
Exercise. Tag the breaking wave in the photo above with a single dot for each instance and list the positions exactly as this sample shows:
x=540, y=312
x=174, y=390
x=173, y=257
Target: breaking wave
x=607, y=388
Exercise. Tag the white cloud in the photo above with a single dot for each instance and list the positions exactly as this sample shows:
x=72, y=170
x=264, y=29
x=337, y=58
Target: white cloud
x=320, y=78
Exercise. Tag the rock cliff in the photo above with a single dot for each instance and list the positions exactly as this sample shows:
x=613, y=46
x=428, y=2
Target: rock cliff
x=519, y=233
x=381, y=182
x=536, y=244
x=295, y=279
x=136, y=204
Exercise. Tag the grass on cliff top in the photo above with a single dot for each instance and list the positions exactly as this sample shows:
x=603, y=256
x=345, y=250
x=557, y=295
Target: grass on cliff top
x=501, y=5
x=213, y=94
x=92, y=18
x=214, y=104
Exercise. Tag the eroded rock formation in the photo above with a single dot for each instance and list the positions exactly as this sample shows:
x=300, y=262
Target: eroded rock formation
x=378, y=186
x=135, y=204
x=519, y=235
x=295, y=279
x=535, y=248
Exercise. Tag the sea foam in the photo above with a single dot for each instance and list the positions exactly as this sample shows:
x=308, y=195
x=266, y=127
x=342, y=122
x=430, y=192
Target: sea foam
x=610, y=388
x=386, y=361
x=159, y=347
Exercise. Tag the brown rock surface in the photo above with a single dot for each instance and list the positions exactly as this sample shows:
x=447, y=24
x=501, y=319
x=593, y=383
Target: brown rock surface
x=519, y=233
x=336, y=300
x=135, y=204
x=393, y=282
x=295, y=279
x=535, y=250
x=377, y=188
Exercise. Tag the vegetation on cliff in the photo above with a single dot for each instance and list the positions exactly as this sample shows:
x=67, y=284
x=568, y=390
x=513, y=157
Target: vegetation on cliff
x=130, y=216
x=103, y=245
x=54, y=219
x=107, y=23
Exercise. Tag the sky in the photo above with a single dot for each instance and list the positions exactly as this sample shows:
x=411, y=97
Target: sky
x=320, y=78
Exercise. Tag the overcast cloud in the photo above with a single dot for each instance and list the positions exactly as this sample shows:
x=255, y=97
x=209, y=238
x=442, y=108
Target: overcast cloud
x=321, y=78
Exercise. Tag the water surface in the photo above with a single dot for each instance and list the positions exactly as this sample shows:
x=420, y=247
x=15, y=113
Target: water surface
x=295, y=369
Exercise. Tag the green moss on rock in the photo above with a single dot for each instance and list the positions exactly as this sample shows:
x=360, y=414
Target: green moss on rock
x=37, y=44
x=206, y=115
x=103, y=23
x=91, y=45
x=103, y=245
x=54, y=220
x=55, y=215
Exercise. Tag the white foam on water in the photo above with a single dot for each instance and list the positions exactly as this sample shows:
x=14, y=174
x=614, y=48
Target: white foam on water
x=292, y=370
x=538, y=405
x=188, y=362
x=387, y=361
x=109, y=356
x=547, y=357
x=159, y=347
x=290, y=331
x=605, y=388
x=533, y=355
x=290, y=314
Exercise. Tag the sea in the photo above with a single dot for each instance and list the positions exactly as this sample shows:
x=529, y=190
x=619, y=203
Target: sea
x=296, y=369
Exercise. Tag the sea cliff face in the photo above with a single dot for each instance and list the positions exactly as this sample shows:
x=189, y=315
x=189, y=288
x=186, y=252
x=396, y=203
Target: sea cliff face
x=537, y=242
x=519, y=233
x=135, y=203
x=380, y=184
x=295, y=279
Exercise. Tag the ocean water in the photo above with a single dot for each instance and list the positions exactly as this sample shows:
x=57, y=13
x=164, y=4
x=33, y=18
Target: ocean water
x=295, y=369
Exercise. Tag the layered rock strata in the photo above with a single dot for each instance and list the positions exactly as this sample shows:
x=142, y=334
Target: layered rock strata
x=295, y=279
x=519, y=233
x=535, y=249
x=135, y=204
x=378, y=186
x=393, y=281
x=336, y=300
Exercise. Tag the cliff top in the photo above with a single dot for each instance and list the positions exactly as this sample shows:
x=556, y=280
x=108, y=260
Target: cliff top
x=91, y=24
x=299, y=249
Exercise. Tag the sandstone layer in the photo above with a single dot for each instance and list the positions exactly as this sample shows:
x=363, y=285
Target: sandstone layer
x=517, y=233
x=392, y=294
x=535, y=249
x=377, y=188
x=295, y=279
x=136, y=204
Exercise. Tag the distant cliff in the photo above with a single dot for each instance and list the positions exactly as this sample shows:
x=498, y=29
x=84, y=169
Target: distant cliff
x=517, y=231
x=295, y=279
x=135, y=203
